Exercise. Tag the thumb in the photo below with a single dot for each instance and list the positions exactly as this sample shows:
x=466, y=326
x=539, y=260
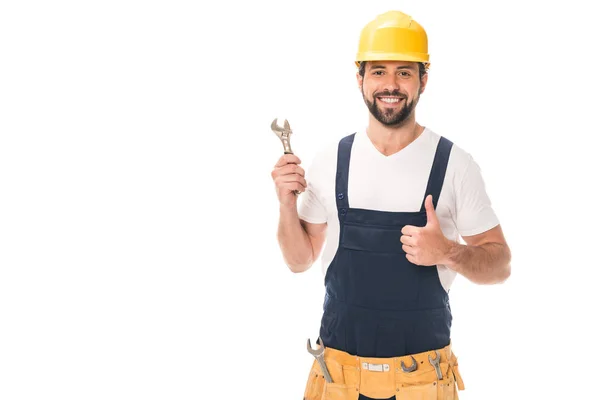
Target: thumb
x=431, y=215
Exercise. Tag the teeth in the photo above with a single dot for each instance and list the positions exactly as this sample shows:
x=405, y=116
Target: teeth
x=390, y=99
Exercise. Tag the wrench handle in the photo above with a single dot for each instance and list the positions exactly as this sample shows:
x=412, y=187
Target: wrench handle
x=287, y=148
x=324, y=369
x=290, y=152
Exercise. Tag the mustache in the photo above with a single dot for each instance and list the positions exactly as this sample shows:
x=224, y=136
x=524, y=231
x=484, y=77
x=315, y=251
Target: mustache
x=395, y=93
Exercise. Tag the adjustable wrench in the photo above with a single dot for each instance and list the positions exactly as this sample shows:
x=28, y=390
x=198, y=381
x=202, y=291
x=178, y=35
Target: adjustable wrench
x=436, y=364
x=283, y=133
x=318, y=353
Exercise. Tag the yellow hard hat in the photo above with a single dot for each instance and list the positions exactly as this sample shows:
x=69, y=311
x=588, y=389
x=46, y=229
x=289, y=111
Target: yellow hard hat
x=393, y=36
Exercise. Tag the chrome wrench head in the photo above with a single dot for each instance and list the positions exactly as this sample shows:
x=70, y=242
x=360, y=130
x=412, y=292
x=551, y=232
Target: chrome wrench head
x=319, y=351
x=281, y=130
x=413, y=366
x=435, y=360
x=283, y=133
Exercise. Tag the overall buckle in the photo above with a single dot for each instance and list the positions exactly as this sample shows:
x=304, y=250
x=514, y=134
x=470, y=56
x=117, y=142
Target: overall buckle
x=376, y=367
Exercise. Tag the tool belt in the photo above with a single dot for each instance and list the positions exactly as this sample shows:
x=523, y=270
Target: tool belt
x=408, y=377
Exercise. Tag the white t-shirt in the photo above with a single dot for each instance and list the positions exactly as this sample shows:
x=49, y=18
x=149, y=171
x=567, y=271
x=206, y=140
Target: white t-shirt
x=398, y=183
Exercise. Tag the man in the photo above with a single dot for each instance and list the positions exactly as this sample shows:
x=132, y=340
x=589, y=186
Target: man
x=391, y=202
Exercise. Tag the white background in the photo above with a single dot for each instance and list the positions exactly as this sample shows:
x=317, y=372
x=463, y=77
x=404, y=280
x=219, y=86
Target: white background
x=138, y=218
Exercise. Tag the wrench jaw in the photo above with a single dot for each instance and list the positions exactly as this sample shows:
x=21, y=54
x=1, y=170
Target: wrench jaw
x=413, y=366
x=283, y=133
x=315, y=352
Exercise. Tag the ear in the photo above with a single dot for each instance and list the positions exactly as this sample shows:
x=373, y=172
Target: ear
x=424, y=82
x=359, y=80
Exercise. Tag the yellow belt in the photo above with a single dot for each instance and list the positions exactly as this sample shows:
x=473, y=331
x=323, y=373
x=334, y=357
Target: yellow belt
x=384, y=377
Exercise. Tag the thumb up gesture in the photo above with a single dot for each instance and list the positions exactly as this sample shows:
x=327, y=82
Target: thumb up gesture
x=425, y=245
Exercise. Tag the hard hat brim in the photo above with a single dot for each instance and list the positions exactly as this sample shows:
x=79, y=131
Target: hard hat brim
x=372, y=56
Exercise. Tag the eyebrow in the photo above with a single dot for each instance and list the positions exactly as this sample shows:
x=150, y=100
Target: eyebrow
x=400, y=67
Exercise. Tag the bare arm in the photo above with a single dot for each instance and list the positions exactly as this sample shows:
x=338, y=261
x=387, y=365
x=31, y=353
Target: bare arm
x=485, y=259
x=300, y=242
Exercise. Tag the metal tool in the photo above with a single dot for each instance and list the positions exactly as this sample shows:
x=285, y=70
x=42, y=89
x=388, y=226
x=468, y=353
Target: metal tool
x=283, y=133
x=436, y=364
x=318, y=353
x=412, y=368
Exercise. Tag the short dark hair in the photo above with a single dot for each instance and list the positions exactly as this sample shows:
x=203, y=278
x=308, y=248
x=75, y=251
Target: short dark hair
x=363, y=64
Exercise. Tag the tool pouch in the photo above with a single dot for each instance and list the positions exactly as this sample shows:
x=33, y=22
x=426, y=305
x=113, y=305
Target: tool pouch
x=349, y=379
x=344, y=386
x=423, y=384
x=315, y=383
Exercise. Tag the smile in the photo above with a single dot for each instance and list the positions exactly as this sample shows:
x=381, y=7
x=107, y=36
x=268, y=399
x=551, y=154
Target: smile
x=390, y=100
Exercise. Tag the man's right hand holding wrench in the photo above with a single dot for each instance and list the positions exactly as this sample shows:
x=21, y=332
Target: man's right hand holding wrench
x=287, y=175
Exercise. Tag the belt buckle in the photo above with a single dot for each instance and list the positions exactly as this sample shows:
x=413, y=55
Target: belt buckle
x=376, y=367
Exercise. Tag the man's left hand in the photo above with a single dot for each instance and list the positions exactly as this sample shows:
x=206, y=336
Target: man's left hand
x=425, y=245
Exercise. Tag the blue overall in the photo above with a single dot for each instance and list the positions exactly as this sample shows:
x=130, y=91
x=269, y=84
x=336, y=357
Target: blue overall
x=377, y=303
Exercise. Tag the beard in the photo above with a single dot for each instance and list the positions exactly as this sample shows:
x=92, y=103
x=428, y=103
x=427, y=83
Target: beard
x=391, y=116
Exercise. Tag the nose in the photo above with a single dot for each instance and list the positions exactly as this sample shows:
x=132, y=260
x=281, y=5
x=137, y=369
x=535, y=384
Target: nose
x=390, y=82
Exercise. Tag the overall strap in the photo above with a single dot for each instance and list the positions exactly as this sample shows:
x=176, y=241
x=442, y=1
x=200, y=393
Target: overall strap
x=341, y=177
x=438, y=171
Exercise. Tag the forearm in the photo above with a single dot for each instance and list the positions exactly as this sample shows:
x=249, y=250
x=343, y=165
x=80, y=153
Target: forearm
x=293, y=240
x=488, y=263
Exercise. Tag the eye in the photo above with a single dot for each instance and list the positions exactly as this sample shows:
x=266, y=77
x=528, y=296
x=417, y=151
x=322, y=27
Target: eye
x=379, y=72
x=405, y=74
